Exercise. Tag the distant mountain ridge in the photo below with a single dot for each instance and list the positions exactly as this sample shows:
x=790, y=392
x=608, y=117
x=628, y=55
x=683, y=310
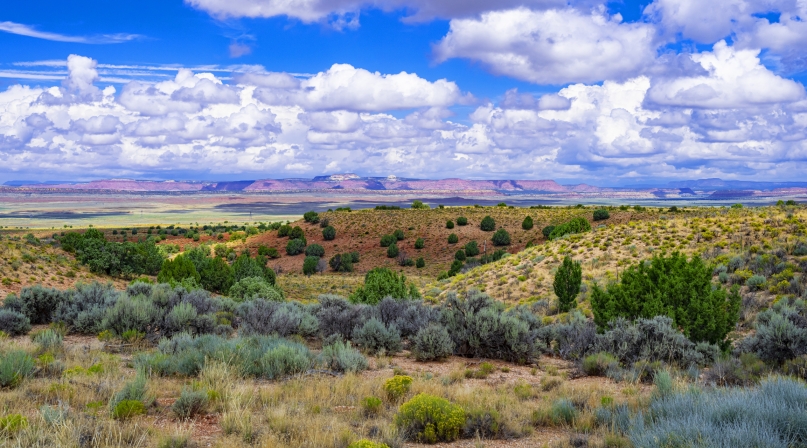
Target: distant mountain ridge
x=354, y=183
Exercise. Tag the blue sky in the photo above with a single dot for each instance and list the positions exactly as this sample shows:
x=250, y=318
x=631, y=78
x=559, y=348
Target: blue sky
x=606, y=93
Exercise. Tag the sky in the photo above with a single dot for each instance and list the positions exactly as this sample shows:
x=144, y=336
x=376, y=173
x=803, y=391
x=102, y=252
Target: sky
x=613, y=94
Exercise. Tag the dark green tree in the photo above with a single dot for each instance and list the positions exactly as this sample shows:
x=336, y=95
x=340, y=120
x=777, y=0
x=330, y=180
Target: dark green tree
x=601, y=214
x=297, y=233
x=295, y=247
x=392, y=251
x=567, y=282
x=487, y=224
x=315, y=250
x=217, y=276
x=329, y=233
x=177, y=270
x=501, y=238
x=310, y=265
x=576, y=225
x=420, y=263
x=453, y=239
x=460, y=255
x=527, y=223
x=675, y=287
x=546, y=231
x=420, y=243
x=341, y=263
x=462, y=221
x=311, y=217
x=398, y=234
x=449, y=224
x=386, y=240
x=472, y=249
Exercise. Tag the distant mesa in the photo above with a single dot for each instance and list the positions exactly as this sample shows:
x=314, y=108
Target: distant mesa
x=336, y=177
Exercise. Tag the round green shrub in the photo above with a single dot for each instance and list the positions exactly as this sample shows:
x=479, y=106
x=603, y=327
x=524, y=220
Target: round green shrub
x=420, y=243
x=471, y=249
x=453, y=239
x=459, y=255
x=601, y=214
x=430, y=419
x=397, y=386
x=310, y=265
x=127, y=409
x=251, y=288
x=462, y=221
x=487, y=224
x=501, y=238
x=295, y=246
x=392, y=251
x=546, y=231
x=329, y=233
x=314, y=250
x=420, y=263
x=398, y=234
x=449, y=224
x=386, y=240
x=527, y=223
x=189, y=404
x=371, y=405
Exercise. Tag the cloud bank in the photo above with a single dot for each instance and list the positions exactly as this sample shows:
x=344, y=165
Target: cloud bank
x=724, y=114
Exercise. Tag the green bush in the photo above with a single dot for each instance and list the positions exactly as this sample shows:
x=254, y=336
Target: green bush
x=420, y=243
x=392, y=251
x=311, y=217
x=501, y=238
x=251, y=288
x=487, y=224
x=315, y=250
x=12, y=423
x=756, y=282
x=398, y=234
x=418, y=205
x=599, y=363
x=420, y=263
x=329, y=233
x=675, y=287
x=432, y=343
x=310, y=265
x=371, y=406
x=36, y=302
x=462, y=221
x=453, y=238
x=472, y=249
x=576, y=225
x=601, y=214
x=567, y=284
x=297, y=233
x=563, y=412
x=459, y=255
x=449, y=224
x=527, y=224
x=430, y=419
x=295, y=246
x=15, y=366
x=382, y=282
x=177, y=270
x=341, y=263
x=218, y=276
x=283, y=231
x=127, y=409
x=397, y=386
x=546, y=231
x=386, y=240
x=189, y=404
x=246, y=266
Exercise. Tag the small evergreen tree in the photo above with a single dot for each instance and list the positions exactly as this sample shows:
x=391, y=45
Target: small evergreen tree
x=472, y=249
x=449, y=224
x=462, y=221
x=386, y=240
x=315, y=250
x=420, y=263
x=311, y=217
x=601, y=214
x=546, y=231
x=392, y=251
x=675, y=287
x=329, y=233
x=398, y=234
x=487, y=224
x=567, y=284
x=177, y=270
x=527, y=223
x=453, y=239
x=460, y=255
x=420, y=243
x=310, y=265
x=501, y=238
